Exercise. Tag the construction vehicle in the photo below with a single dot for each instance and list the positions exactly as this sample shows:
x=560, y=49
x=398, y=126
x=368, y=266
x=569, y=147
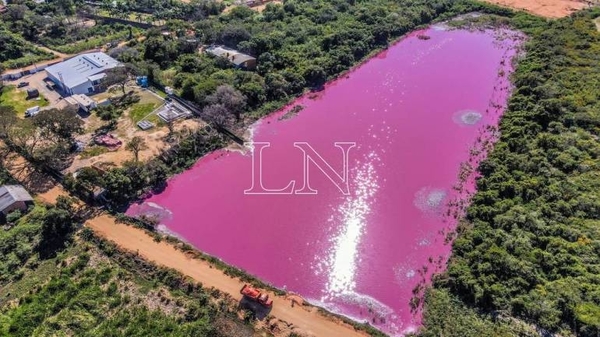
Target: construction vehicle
x=256, y=295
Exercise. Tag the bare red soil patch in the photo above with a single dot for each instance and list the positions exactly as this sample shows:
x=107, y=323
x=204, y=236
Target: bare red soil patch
x=546, y=8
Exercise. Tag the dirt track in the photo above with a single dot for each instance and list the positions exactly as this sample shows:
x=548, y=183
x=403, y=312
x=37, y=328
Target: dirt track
x=306, y=320
x=546, y=8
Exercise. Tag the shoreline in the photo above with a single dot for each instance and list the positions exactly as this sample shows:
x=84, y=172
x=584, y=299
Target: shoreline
x=166, y=254
x=231, y=271
x=275, y=115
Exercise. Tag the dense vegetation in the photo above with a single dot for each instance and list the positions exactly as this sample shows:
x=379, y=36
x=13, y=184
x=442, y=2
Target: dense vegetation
x=159, y=9
x=54, y=25
x=91, y=289
x=527, y=254
x=530, y=244
x=16, y=52
x=34, y=235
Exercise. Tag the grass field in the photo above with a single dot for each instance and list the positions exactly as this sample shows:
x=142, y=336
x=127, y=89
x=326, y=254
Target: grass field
x=139, y=111
x=11, y=96
x=148, y=103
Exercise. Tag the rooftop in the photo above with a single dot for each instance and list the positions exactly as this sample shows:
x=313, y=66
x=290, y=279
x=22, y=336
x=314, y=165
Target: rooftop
x=173, y=111
x=80, y=99
x=232, y=55
x=11, y=193
x=83, y=100
x=78, y=69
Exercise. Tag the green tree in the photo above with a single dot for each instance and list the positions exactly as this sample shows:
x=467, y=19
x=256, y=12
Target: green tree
x=118, y=76
x=62, y=124
x=136, y=145
x=315, y=76
x=13, y=216
x=231, y=99
x=57, y=227
x=8, y=119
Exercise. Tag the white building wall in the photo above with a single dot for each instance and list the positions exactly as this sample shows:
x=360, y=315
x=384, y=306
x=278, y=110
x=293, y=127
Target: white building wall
x=83, y=88
x=55, y=80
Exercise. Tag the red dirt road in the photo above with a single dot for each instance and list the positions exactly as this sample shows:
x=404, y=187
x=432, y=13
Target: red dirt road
x=306, y=320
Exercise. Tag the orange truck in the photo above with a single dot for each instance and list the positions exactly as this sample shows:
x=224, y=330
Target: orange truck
x=256, y=295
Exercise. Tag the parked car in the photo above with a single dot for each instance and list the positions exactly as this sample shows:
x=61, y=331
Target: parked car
x=22, y=84
x=32, y=111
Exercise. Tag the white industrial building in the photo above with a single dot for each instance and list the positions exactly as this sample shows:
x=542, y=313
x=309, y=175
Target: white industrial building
x=81, y=74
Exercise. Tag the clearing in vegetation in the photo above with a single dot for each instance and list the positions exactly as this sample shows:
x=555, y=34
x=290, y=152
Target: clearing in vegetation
x=546, y=8
x=17, y=98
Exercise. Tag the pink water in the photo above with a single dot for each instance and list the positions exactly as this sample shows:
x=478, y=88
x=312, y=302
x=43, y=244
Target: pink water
x=415, y=111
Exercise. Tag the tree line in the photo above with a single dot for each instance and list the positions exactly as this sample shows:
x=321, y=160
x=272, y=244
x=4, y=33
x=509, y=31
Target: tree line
x=529, y=246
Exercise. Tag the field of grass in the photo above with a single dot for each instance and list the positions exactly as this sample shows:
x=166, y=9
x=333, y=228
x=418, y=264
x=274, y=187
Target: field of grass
x=147, y=104
x=139, y=111
x=159, y=92
x=11, y=96
x=18, y=248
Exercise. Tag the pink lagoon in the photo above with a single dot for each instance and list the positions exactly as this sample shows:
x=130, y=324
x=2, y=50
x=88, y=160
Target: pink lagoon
x=420, y=114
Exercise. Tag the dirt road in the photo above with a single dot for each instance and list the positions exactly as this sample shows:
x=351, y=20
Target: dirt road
x=306, y=320
x=546, y=8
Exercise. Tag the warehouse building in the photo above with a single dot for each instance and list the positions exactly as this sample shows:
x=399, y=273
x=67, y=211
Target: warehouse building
x=81, y=74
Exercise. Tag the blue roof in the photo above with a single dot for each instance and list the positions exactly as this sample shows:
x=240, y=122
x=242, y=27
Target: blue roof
x=78, y=69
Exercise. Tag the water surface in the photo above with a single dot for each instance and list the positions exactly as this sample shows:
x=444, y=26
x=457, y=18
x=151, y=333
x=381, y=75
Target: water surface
x=416, y=112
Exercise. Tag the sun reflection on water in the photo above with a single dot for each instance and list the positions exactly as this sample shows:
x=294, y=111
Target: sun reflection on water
x=352, y=215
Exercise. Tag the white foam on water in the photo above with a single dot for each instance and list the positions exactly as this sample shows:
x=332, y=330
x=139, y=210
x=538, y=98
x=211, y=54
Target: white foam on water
x=166, y=231
x=430, y=199
x=403, y=273
x=159, y=207
x=154, y=210
x=367, y=301
x=440, y=27
x=248, y=148
x=467, y=117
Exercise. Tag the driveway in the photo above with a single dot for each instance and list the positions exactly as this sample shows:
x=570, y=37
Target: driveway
x=37, y=81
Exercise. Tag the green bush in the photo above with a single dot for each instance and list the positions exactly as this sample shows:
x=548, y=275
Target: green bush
x=13, y=216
